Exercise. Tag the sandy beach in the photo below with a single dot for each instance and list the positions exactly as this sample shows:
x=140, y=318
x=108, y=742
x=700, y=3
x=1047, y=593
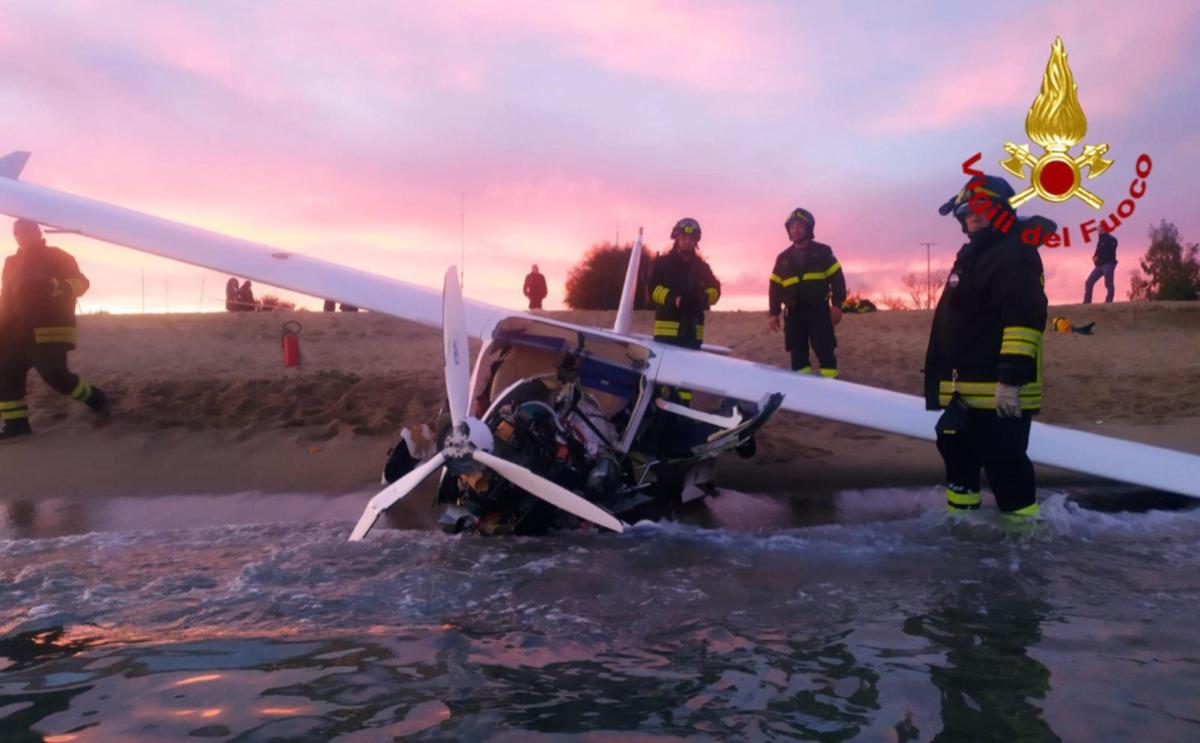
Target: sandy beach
x=203, y=403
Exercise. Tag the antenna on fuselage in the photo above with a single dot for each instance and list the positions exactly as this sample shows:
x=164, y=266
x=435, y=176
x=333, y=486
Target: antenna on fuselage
x=624, y=321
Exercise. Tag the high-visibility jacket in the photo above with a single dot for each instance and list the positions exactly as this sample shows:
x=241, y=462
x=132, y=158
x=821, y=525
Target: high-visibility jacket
x=692, y=282
x=989, y=321
x=806, y=276
x=38, y=289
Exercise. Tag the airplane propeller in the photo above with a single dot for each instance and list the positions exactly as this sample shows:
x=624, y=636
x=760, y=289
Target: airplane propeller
x=468, y=446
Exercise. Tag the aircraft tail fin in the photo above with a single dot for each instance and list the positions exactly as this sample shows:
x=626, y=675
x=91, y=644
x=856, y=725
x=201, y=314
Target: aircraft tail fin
x=624, y=321
x=12, y=164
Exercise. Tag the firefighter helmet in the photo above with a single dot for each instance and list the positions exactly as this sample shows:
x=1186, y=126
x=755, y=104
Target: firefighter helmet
x=800, y=213
x=686, y=226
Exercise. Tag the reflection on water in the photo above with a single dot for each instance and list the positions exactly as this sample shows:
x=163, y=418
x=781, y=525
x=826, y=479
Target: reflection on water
x=990, y=687
x=909, y=629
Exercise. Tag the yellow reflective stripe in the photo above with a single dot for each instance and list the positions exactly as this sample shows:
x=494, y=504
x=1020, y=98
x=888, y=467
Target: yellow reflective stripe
x=1018, y=349
x=82, y=390
x=776, y=279
x=963, y=499
x=1018, y=331
x=829, y=373
x=660, y=294
x=988, y=402
x=12, y=405
x=684, y=395
x=822, y=275
x=804, y=370
x=59, y=334
x=1028, y=512
x=666, y=327
x=713, y=294
x=699, y=332
x=946, y=387
x=12, y=415
x=1020, y=342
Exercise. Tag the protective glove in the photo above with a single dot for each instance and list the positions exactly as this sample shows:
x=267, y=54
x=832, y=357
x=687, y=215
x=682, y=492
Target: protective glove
x=1008, y=401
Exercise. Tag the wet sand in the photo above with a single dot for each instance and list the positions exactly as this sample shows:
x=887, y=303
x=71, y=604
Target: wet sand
x=203, y=403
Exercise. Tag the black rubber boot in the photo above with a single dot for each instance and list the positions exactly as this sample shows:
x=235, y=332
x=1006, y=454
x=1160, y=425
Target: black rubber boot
x=100, y=403
x=15, y=428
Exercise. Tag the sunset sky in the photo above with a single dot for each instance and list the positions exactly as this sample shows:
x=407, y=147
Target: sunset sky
x=354, y=130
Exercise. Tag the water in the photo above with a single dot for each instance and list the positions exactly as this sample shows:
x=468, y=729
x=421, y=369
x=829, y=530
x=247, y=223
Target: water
x=868, y=616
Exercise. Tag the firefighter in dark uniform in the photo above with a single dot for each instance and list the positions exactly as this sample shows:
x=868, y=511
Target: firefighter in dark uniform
x=37, y=327
x=983, y=365
x=682, y=287
x=805, y=277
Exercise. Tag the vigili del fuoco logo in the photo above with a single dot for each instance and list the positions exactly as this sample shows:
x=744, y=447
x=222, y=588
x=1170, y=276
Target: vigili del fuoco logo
x=1056, y=122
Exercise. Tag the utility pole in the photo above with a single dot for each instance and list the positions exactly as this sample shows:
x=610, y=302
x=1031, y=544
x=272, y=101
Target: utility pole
x=462, y=236
x=928, y=277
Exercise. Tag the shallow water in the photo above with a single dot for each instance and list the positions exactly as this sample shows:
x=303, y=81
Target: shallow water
x=867, y=616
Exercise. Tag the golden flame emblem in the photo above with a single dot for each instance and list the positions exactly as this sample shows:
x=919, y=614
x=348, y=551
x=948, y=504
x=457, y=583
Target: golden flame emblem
x=1056, y=122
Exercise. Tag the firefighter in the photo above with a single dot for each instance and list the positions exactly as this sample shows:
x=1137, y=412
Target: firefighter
x=806, y=276
x=983, y=364
x=37, y=327
x=682, y=287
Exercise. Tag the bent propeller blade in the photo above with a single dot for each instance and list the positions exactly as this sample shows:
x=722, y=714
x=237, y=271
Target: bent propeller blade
x=387, y=497
x=553, y=494
x=455, y=349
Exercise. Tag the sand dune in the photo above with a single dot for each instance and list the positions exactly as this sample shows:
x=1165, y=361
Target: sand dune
x=204, y=404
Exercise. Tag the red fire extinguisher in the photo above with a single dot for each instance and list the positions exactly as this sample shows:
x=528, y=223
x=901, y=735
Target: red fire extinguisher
x=291, y=343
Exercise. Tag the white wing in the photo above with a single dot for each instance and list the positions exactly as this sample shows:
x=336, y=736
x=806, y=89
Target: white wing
x=842, y=401
x=1127, y=461
x=232, y=255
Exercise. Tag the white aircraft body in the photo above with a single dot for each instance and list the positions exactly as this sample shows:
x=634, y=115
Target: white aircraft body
x=611, y=373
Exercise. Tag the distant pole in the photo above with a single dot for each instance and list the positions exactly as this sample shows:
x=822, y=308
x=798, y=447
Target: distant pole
x=928, y=277
x=462, y=235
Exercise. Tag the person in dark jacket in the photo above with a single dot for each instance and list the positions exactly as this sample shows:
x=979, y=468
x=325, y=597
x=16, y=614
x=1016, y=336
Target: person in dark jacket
x=38, y=289
x=1105, y=262
x=682, y=287
x=805, y=277
x=984, y=360
x=535, y=288
x=246, y=301
x=232, y=304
